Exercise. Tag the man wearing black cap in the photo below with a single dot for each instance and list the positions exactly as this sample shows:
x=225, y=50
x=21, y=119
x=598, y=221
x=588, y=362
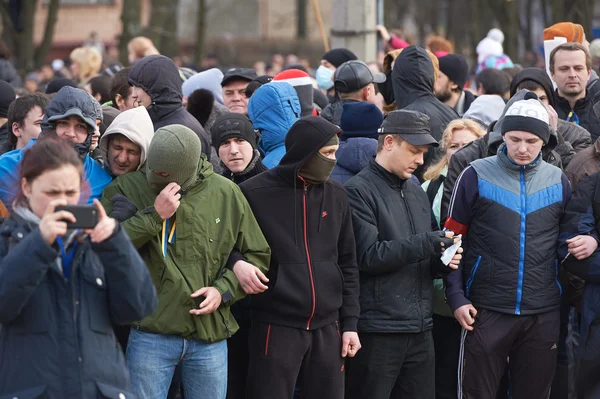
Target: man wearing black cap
x=354, y=82
x=398, y=256
x=234, y=138
x=330, y=61
x=451, y=79
x=7, y=96
x=234, y=86
x=506, y=294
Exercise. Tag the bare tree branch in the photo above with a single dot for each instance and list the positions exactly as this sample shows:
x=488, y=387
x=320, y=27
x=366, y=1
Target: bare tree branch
x=42, y=51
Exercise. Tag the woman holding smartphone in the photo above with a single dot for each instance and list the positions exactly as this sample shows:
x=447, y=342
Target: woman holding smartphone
x=61, y=288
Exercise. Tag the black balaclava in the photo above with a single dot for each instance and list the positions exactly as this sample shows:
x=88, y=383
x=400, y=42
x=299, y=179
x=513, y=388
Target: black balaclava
x=318, y=168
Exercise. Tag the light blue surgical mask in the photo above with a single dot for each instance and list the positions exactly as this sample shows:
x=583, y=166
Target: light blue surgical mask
x=324, y=76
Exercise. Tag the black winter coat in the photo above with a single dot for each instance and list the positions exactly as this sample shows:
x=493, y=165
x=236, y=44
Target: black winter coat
x=392, y=222
x=56, y=337
x=584, y=108
x=313, y=273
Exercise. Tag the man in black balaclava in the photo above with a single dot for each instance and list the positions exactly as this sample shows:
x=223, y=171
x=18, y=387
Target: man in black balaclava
x=312, y=298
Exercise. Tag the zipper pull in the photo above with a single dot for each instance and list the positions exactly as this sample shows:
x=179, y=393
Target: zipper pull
x=402, y=193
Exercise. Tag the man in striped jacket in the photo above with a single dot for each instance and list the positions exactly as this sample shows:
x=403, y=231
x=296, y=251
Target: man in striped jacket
x=506, y=293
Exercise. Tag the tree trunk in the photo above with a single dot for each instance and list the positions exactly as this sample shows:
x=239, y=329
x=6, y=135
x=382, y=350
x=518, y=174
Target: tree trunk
x=169, y=40
x=158, y=11
x=132, y=27
x=42, y=51
x=301, y=19
x=24, y=47
x=527, y=31
x=200, y=31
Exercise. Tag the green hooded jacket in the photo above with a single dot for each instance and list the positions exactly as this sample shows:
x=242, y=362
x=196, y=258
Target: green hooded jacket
x=213, y=218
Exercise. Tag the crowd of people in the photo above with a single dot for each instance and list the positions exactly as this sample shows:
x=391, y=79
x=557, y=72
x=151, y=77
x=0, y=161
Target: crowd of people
x=423, y=228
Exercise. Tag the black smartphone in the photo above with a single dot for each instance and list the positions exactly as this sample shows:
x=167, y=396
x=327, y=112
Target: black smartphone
x=86, y=216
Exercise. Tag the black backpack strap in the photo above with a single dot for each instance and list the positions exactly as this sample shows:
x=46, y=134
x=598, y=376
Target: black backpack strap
x=433, y=188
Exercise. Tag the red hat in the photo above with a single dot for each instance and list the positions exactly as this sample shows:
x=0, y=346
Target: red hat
x=573, y=32
x=302, y=83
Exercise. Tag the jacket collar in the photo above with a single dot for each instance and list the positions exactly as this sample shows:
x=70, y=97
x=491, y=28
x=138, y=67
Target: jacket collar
x=390, y=178
x=507, y=163
x=580, y=104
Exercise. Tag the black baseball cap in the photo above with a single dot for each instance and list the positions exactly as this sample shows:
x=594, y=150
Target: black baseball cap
x=412, y=126
x=238, y=74
x=354, y=75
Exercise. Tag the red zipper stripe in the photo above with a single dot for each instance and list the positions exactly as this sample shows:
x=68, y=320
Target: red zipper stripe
x=267, y=340
x=310, y=270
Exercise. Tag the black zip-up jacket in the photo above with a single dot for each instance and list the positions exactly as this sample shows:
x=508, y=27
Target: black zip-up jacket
x=313, y=273
x=584, y=108
x=392, y=227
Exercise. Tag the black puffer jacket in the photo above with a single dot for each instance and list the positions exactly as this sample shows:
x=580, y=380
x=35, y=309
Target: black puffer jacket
x=158, y=76
x=392, y=226
x=413, y=81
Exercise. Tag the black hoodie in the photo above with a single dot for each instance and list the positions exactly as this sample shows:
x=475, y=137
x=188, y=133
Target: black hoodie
x=313, y=273
x=158, y=76
x=413, y=79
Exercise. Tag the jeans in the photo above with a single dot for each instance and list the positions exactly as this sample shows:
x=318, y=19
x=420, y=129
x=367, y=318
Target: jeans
x=152, y=359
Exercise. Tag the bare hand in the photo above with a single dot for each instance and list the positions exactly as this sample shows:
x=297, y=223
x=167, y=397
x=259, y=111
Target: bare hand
x=167, y=202
x=350, y=344
x=210, y=304
x=582, y=246
x=385, y=35
x=456, y=259
x=54, y=224
x=250, y=277
x=105, y=227
x=553, y=116
x=466, y=316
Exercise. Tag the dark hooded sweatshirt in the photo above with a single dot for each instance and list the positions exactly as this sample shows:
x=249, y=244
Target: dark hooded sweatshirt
x=576, y=138
x=158, y=76
x=313, y=273
x=412, y=79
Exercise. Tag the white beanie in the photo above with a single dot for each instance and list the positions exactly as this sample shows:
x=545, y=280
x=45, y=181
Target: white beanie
x=496, y=34
x=528, y=115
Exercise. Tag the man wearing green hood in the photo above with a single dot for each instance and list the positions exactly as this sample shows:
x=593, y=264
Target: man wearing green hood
x=188, y=222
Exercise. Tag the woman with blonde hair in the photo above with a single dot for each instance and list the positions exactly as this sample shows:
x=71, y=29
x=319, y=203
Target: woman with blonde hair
x=140, y=47
x=446, y=330
x=85, y=64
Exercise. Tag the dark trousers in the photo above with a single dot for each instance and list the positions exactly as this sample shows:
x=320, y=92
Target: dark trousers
x=393, y=365
x=446, y=341
x=281, y=355
x=530, y=342
x=237, y=363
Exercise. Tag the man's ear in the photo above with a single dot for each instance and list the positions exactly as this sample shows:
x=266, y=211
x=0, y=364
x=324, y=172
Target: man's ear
x=16, y=129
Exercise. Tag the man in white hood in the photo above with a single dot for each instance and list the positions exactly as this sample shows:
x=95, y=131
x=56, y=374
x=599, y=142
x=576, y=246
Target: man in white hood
x=125, y=143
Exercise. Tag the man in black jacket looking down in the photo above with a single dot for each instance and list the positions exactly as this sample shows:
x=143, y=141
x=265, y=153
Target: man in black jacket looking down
x=398, y=256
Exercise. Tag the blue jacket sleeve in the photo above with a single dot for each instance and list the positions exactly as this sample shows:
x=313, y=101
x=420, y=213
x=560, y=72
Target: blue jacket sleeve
x=132, y=295
x=460, y=213
x=21, y=272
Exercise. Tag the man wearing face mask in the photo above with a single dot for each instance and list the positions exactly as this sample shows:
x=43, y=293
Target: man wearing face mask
x=353, y=82
x=189, y=220
x=329, y=63
x=304, y=324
